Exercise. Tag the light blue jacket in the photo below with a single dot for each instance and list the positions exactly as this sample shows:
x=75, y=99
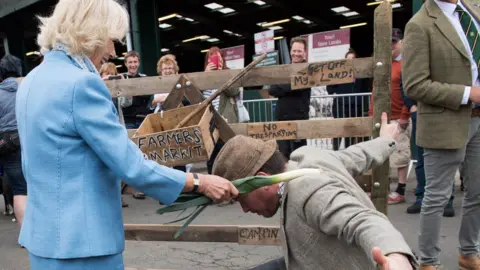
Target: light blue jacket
x=74, y=153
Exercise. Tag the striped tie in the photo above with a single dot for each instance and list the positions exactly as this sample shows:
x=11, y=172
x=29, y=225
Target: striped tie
x=471, y=32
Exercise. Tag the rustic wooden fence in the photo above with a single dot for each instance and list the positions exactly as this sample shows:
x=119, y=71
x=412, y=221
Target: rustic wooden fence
x=301, y=75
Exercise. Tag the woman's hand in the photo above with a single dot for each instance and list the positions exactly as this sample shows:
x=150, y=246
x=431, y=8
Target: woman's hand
x=159, y=99
x=210, y=67
x=217, y=188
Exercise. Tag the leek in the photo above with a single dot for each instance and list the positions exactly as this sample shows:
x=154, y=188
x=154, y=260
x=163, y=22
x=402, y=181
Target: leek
x=244, y=185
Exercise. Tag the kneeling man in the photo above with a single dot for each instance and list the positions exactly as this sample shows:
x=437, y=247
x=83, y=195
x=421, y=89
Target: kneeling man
x=327, y=220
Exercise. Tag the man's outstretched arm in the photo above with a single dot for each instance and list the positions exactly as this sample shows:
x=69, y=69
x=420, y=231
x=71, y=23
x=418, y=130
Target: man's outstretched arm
x=361, y=157
x=334, y=211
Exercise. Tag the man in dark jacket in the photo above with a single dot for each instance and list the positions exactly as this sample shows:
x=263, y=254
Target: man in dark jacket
x=135, y=113
x=292, y=104
x=349, y=106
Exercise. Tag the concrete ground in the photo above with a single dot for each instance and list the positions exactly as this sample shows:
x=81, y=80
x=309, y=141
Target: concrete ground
x=206, y=256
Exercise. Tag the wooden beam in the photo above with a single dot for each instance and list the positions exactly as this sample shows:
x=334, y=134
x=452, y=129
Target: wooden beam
x=243, y=235
x=308, y=129
x=381, y=94
x=259, y=76
x=193, y=94
x=222, y=89
x=133, y=268
x=304, y=129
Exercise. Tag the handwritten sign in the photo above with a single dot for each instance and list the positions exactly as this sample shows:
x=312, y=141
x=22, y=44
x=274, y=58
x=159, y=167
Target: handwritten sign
x=324, y=73
x=258, y=236
x=275, y=130
x=173, y=148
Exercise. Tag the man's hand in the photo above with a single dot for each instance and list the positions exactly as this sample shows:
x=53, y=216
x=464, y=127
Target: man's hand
x=391, y=130
x=413, y=109
x=394, y=261
x=475, y=94
x=217, y=188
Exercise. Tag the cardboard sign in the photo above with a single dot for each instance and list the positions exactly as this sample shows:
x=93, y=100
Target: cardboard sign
x=324, y=73
x=284, y=130
x=258, y=236
x=173, y=147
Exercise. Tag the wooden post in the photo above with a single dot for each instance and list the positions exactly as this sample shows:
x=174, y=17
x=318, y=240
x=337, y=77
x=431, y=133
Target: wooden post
x=185, y=87
x=174, y=98
x=222, y=89
x=382, y=88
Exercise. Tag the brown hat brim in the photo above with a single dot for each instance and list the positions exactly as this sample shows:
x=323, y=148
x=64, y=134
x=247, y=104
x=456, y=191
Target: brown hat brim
x=243, y=156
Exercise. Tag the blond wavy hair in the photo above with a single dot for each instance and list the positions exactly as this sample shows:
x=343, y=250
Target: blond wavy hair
x=108, y=67
x=84, y=26
x=167, y=59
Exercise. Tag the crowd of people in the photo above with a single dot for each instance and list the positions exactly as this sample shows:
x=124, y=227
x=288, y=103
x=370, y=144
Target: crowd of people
x=64, y=137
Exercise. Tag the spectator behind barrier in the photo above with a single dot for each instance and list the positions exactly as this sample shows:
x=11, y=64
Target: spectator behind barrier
x=10, y=152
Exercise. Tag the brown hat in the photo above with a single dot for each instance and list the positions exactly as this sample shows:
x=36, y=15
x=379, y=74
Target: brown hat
x=243, y=156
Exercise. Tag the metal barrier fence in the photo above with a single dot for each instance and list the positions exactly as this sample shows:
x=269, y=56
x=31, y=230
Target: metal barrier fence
x=321, y=107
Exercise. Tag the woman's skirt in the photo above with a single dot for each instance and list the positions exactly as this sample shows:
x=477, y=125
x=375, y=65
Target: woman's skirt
x=110, y=262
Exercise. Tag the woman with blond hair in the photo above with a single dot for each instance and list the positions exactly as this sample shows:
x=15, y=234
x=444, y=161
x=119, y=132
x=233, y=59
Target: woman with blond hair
x=74, y=149
x=108, y=70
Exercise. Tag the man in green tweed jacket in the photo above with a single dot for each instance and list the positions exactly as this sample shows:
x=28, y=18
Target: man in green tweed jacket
x=441, y=57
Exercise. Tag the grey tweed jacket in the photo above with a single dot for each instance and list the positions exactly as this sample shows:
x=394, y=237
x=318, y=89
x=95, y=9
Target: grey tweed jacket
x=327, y=220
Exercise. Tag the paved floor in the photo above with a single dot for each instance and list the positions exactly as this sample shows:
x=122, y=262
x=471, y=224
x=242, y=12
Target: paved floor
x=206, y=256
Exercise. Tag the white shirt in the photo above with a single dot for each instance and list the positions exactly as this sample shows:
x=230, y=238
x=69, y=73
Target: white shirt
x=449, y=10
x=208, y=93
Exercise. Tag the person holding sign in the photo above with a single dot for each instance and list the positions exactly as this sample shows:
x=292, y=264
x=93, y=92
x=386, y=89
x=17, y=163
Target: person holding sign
x=292, y=104
x=75, y=151
x=324, y=216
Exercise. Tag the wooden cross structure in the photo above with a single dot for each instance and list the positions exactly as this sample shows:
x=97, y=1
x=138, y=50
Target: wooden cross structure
x=298, y=75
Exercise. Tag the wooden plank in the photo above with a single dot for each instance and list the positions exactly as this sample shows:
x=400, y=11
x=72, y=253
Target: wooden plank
x=325, y=128
x=313, y=129
x=133, y=268
x=222, y=89
x=243, y=235
x=194, y=95
x=259, y=76
x=259, y=235
x=175, y=96
x=267, y=131
x=324, y=73
x=381, y=94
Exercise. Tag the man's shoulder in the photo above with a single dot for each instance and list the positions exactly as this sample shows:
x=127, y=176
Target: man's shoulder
x=420, y=18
